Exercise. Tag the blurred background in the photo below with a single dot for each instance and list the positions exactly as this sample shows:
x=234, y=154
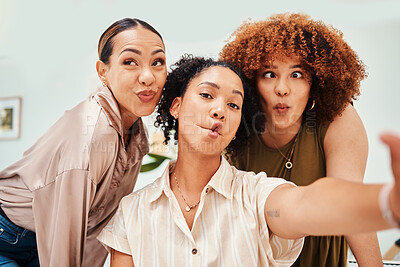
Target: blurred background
x=48, y=51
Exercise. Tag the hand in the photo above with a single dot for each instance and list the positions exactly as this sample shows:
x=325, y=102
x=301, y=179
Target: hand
x=393, y=142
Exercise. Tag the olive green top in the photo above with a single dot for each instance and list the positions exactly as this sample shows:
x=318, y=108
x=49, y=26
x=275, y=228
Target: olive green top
x=308, y=165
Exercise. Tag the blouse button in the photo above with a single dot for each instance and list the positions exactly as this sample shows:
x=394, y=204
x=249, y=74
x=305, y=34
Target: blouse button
x=194, y=251
x=207, y=190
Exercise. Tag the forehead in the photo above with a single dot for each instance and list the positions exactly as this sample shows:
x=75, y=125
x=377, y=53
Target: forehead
x=221, y=76
x=137, y=36
x=282, y=56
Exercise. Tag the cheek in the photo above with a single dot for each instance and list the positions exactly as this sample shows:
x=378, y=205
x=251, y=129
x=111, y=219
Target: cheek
x=306, y=93
x=264, y=91
x=234, y=123
x=161, y=77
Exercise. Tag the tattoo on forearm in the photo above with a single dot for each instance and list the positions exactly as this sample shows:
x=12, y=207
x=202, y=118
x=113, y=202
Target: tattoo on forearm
x=274, y=213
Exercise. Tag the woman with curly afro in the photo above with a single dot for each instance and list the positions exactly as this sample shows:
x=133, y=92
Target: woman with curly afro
x=204, y=212
x=307, y=77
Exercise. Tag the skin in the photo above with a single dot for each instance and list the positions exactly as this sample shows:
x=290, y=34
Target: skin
x=284, y=88
x=290, y=211
x=136, y=67
x=297, y=214
x=286, y=83
x=136, y=73
x=215, y=96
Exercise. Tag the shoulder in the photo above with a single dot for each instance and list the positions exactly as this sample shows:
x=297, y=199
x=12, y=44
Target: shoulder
x=347, y=126
x=145, y=195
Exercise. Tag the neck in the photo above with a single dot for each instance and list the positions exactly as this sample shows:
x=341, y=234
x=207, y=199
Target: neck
x=278, y=137
x=194, y=170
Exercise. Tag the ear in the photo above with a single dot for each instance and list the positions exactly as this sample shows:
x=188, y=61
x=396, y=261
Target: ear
x=101, y=68
x=175, y=107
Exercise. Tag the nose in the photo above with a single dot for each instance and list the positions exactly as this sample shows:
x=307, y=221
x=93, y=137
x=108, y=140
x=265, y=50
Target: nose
x=146, y=76
x=218, y=112
x=218, y=115
x=282, y=87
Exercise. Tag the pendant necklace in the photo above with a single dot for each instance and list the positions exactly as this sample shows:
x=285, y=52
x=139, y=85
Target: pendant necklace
x=288, y=163
x=188, y=207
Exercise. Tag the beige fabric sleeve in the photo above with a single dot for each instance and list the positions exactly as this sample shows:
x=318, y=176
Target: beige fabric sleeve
x=61, y=215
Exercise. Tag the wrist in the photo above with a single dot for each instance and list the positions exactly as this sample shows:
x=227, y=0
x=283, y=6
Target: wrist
x=387, y=206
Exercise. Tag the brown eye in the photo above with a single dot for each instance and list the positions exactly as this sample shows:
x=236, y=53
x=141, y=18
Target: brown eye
x=158, y=62
x=297, y=74
x=233, y=105
x=205, y=95
x=269, y=74
x=130, y=62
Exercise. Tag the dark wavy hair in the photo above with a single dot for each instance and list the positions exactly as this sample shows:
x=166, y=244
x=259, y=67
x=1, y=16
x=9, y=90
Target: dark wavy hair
x=105, y=45
x=335, y=69
x=182, y=72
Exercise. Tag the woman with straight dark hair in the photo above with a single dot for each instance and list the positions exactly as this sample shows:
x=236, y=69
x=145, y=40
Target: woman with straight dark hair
x=59, y=196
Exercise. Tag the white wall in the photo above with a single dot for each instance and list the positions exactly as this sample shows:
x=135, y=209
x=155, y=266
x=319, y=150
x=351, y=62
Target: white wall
x=48, y=54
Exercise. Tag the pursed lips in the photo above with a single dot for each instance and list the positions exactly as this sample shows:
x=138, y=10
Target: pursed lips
x=146, y=95
x=216, y=127
x=281, y=107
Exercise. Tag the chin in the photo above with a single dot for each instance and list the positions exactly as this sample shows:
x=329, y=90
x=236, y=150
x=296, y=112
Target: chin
x=204, y=148
x=145, y=112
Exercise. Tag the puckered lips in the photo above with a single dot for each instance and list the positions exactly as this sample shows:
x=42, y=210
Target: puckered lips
x=146, y=95
x=213, y=131
x=281, y=108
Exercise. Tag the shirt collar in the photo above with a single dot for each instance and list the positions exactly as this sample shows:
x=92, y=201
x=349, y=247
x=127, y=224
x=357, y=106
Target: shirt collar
x=164, y=185
x=110, y=106
x=221, y=181
x=106, y=100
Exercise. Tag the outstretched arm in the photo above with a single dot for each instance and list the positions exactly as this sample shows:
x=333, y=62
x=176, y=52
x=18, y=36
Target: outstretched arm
x=346, y=152
x=333, y=206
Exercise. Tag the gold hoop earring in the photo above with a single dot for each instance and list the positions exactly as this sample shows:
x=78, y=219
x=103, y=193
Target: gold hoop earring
x=312, y=106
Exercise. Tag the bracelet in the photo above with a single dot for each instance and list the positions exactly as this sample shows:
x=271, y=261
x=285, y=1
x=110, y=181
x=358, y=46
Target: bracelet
x=385, y=206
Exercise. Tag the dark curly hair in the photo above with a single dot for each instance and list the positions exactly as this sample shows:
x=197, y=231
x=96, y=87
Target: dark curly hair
x=335, y=68
x=182, y=72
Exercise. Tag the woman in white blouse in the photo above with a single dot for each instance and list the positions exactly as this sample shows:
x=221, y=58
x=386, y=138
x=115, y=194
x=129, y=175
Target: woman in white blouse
x=204, y=212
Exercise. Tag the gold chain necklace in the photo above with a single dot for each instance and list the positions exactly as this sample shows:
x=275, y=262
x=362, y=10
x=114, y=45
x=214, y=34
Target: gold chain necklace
x=288, y=163
x=188, y=207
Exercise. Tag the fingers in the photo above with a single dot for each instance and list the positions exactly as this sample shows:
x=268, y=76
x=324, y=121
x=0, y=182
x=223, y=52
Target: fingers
x=393, y=142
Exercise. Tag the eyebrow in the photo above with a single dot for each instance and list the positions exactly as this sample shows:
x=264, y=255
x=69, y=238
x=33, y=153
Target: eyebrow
x=157, y=51
x=133, y=50
x=216, y=86
x=210, y=84
x=238, y=92
x=290, y=67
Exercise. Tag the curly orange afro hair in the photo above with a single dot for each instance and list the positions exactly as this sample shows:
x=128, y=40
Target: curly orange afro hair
x=335, y=68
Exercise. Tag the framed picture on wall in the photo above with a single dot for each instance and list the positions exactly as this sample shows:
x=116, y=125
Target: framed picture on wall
x=10, y=117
